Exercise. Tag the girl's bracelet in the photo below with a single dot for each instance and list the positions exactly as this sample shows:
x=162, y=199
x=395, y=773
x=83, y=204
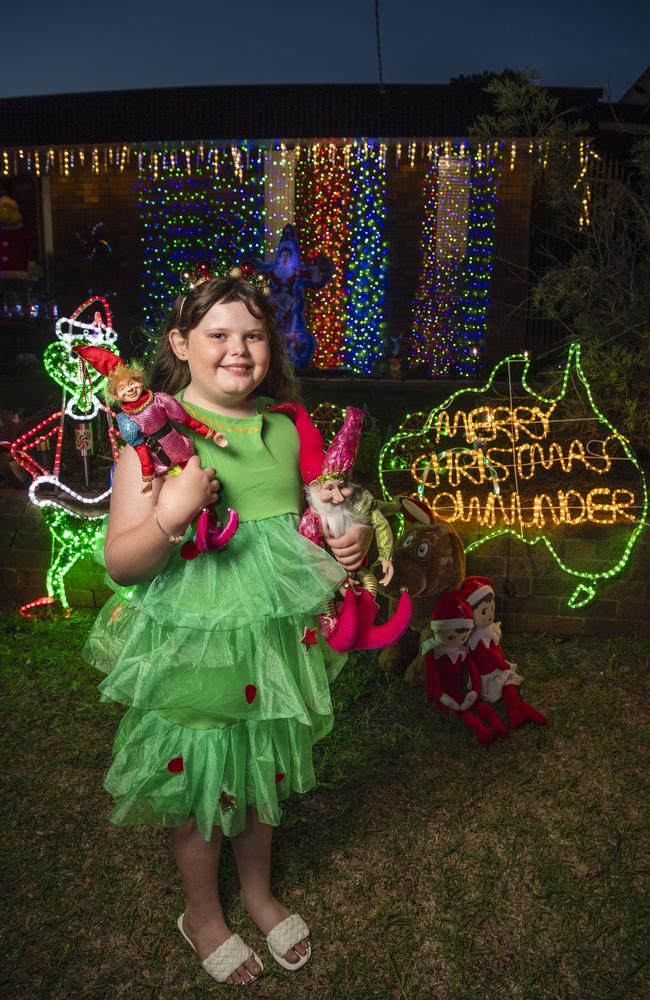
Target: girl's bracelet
x=174, y=539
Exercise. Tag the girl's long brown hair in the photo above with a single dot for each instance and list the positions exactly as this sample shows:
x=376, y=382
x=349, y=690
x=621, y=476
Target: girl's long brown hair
x=170, y=374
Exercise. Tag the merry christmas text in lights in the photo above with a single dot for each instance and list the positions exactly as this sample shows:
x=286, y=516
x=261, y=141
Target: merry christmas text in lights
x=523, y=465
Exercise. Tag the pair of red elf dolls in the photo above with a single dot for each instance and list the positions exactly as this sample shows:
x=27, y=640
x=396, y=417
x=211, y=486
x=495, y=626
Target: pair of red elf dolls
x=465, y=669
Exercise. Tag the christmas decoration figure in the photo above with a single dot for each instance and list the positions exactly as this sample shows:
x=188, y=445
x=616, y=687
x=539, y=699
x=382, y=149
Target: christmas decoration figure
x=428, y=559
x=499, y=678
x=18, y=260
x=289, y=277
x=73, y=518
x=145, y=420
x=451, y=679
x=335, y=505
x=92, y=244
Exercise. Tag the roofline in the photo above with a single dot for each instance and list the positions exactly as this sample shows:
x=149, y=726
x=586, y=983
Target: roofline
x=308, y=110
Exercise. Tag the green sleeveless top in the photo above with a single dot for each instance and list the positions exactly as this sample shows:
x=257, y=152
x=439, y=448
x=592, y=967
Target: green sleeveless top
x=259, y=470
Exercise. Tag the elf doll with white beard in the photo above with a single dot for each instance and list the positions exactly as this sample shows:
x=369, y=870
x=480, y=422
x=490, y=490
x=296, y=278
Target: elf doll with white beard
x=335, y=505
x=499, y=677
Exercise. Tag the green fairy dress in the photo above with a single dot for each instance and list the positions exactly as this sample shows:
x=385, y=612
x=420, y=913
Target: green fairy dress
x=219, y=658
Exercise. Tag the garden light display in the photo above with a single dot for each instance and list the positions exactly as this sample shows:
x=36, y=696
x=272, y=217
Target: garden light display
x=92, y=244
x=72, y=518
x=520, y=467
x=328, y=417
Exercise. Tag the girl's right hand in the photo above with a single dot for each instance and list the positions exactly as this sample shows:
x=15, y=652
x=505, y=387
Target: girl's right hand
x=181, y=497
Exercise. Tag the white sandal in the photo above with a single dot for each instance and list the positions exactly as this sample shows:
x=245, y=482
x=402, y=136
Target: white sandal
x=227, y=958
x=284, y=937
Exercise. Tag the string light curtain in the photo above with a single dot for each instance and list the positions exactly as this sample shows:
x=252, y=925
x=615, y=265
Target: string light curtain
x=279, y=195
x=422, y=343
x=450, y=252
x=474, y=294
x=364, y=343
x=451, y=301
x=193, y=209
x=322, y=221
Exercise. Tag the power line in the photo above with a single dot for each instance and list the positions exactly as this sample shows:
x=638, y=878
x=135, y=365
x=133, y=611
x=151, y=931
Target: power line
x=378, y=36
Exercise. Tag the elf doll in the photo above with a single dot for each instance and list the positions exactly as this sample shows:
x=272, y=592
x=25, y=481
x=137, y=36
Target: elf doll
x=451, y=679
x=499, y=678
x=335, y=505
x=146, y=423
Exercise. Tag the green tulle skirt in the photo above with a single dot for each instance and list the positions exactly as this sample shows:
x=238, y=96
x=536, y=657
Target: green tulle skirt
x=226, y=678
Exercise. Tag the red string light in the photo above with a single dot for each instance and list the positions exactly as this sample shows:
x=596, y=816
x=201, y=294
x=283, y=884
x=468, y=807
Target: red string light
x=322, y=210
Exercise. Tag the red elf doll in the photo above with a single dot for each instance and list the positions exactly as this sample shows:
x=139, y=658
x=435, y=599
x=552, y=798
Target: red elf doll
x=499, y=678
x=450, y=676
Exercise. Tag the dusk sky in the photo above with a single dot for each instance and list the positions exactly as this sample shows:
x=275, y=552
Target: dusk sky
x=75, y=46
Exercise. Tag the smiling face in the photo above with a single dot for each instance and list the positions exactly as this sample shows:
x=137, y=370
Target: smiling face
x=228, y=354
x=334, y=491
x=128, y=390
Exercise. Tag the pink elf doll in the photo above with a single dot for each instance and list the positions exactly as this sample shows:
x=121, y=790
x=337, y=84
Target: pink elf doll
x=451, y=679
x=499, y=678
x=146, y=423
x=335, y=504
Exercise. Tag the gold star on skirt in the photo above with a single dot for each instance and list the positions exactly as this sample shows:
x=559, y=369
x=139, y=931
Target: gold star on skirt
x=227, y=801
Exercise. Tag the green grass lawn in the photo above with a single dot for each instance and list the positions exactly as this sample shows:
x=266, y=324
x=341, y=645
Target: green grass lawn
x=427, y=867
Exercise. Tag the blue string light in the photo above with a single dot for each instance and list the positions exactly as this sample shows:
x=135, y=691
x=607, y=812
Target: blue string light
x=364, y=342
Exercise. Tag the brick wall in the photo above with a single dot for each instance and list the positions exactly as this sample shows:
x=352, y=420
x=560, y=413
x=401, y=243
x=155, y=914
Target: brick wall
x=541, y=589
x=78, y=203
x=539, y=604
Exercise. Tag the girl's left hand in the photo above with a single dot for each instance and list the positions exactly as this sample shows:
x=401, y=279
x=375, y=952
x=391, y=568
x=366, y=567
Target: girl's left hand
x=350, y=549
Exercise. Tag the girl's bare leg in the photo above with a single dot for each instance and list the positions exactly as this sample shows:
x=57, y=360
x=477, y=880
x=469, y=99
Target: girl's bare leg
x=197, y=861
x=252, y=850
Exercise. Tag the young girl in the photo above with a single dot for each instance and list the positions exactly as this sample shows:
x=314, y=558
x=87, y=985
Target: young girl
x=219, y=659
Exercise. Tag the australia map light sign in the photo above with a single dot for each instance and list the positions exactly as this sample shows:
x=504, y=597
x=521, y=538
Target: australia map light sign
x=506, y=459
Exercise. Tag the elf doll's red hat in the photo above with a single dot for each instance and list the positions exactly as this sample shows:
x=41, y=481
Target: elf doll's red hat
x=108, y=364
x=103, y=361
x=475, y=588
x=451, y=611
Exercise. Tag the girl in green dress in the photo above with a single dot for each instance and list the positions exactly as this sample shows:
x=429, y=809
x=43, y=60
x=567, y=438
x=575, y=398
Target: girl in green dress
x=219, y=659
